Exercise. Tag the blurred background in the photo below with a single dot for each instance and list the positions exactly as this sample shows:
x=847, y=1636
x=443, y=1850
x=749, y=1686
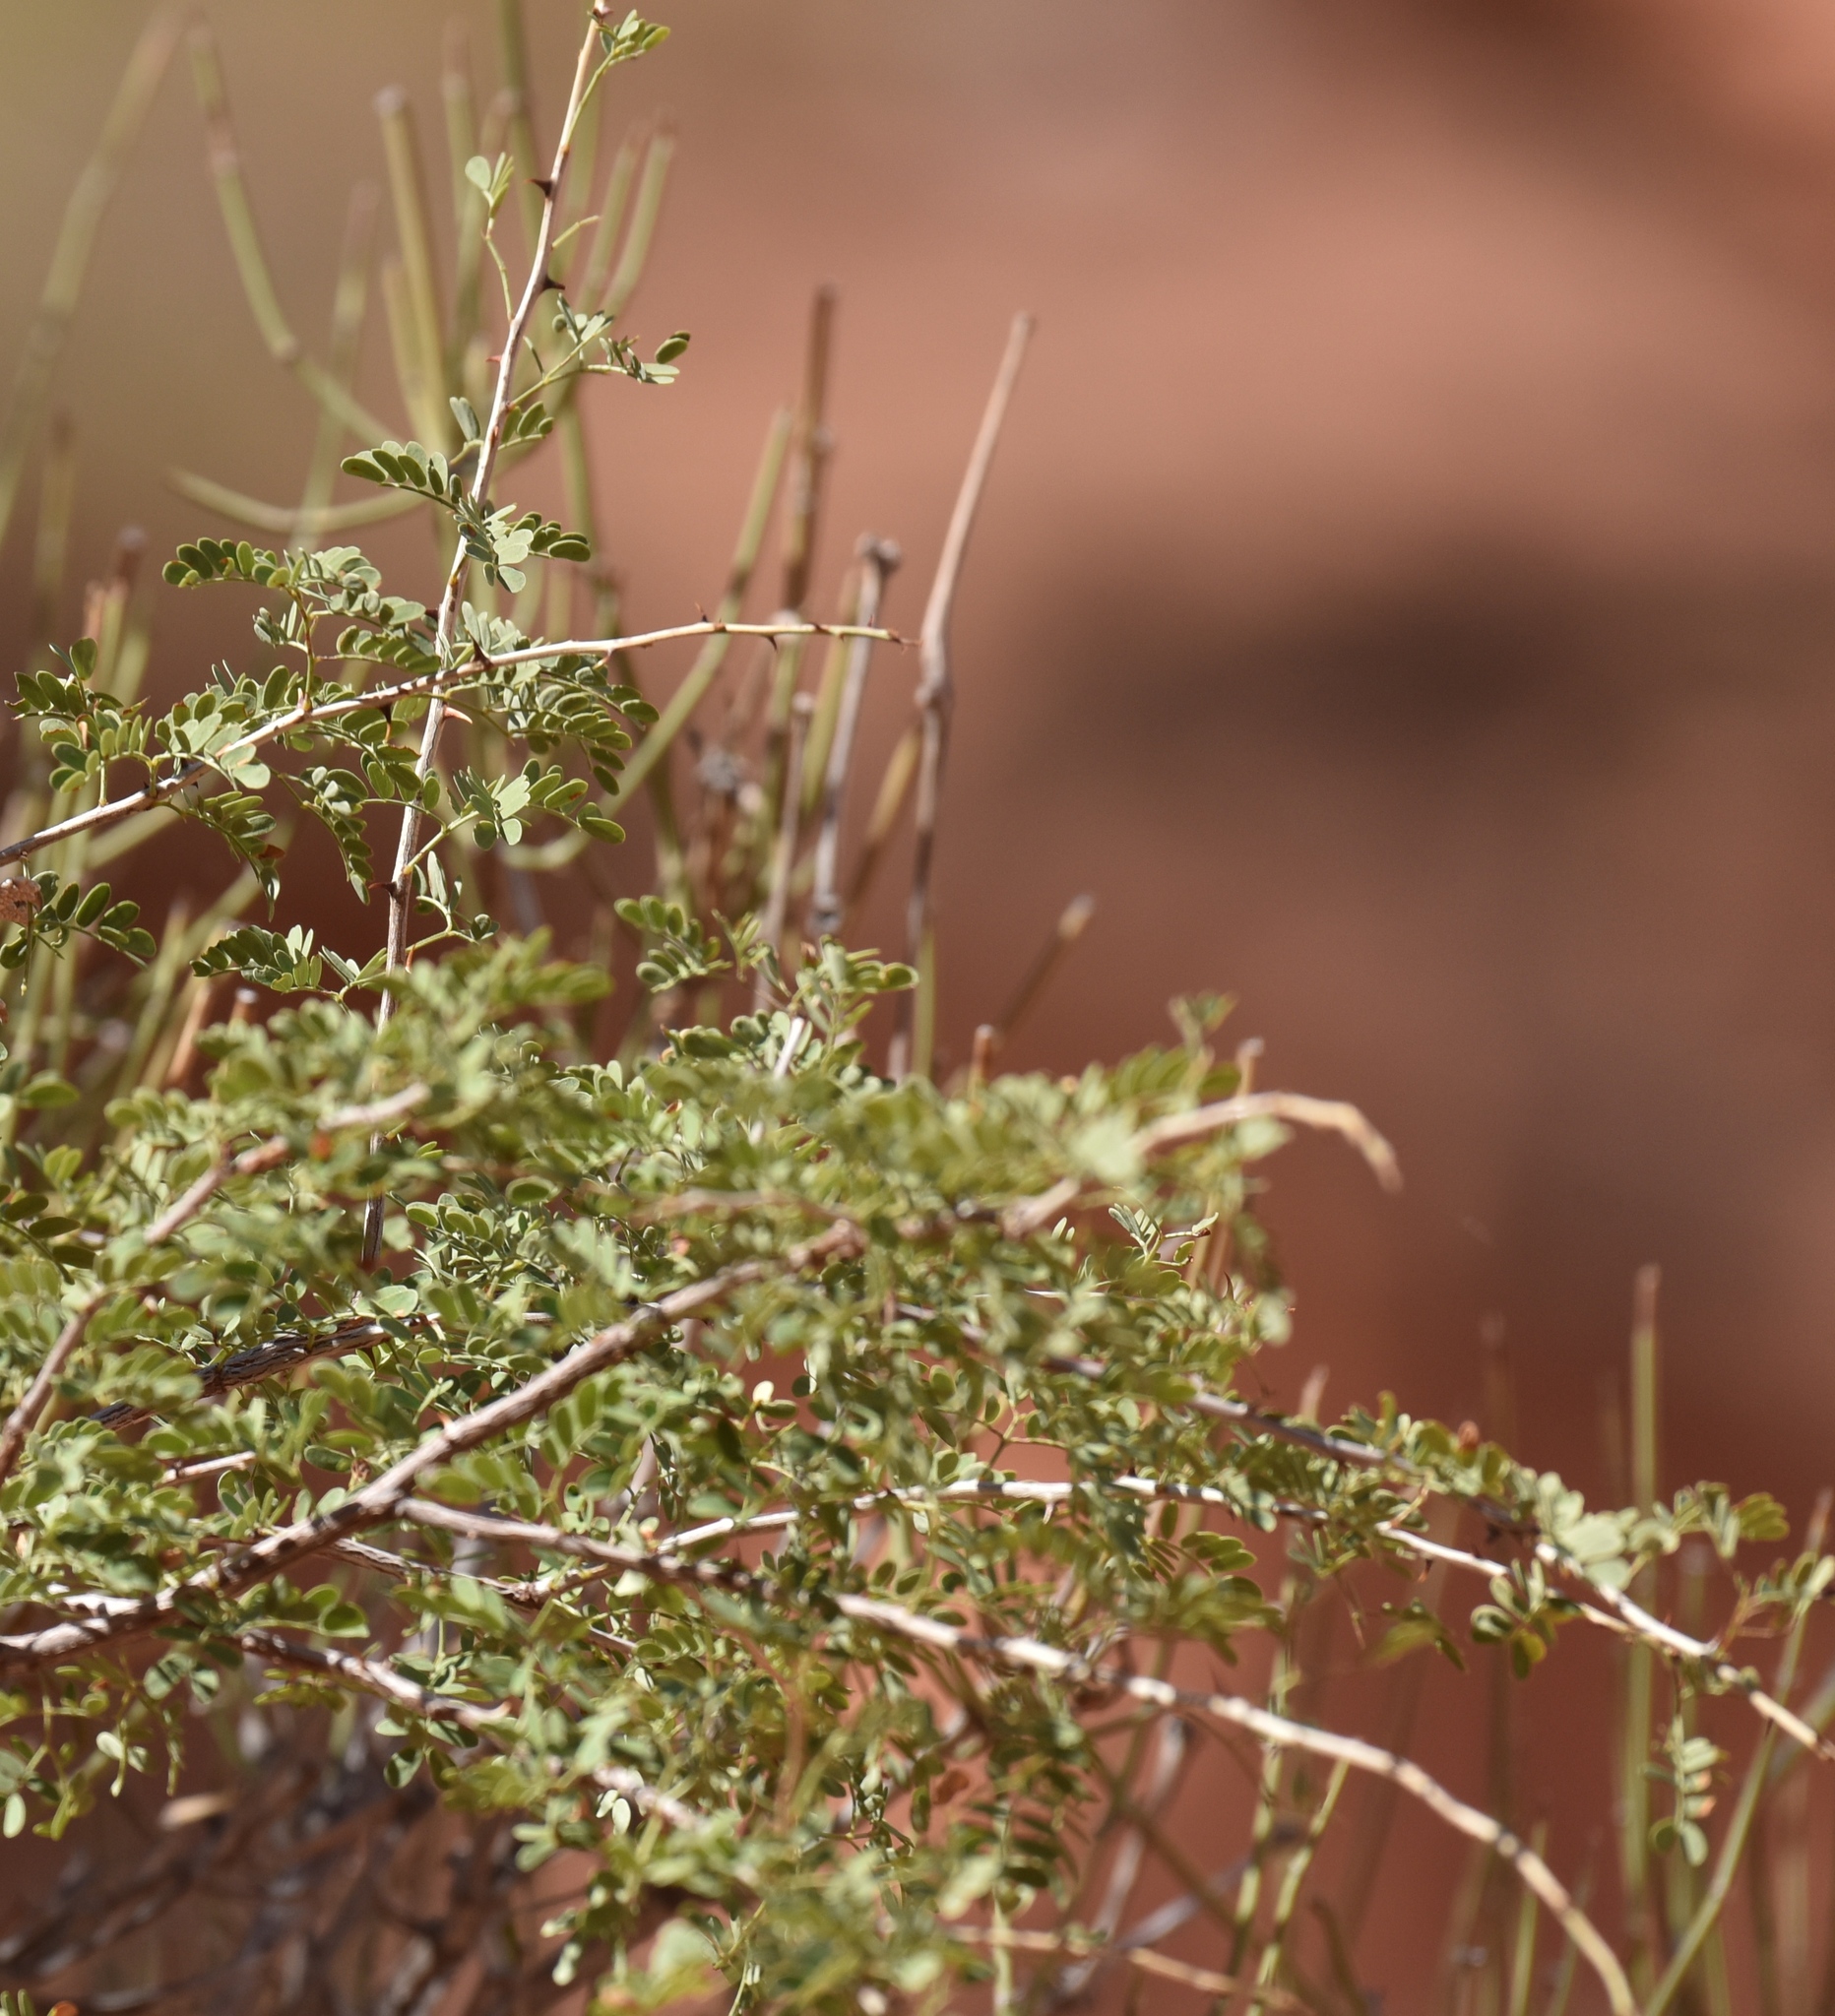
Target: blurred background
x=1405, y=598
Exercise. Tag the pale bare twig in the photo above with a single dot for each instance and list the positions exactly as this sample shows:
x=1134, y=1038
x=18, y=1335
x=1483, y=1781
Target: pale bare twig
x=935, y=699
x=321, y=707
x=1144, y=1958
x=1336, y=1115
x=210, y=1466
x=1176, y=1129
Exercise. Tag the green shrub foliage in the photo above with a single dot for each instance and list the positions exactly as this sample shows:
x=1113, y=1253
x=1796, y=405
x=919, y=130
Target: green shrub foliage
x=778, y=1484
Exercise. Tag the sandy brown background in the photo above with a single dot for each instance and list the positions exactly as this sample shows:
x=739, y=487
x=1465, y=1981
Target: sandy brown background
x=1406, y=598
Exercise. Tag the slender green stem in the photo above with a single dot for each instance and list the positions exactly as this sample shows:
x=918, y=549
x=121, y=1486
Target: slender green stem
x=520, y=123
x=894, y=783
x=1639, y=1668
x=287, y=522
x=76, y=241
x=644, y=214
x=1294, y=1876
x=1726, y=1866
x=246, y=248
x=1732, y=1844
x=1261, y=1833
x=57, y=493
x=424, y=323
x=616, y=194
x=1523, y=1939
x=1561, y=1987
x=350, y=303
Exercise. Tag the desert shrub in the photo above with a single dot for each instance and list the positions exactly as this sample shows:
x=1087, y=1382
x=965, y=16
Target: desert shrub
x=769, y=1524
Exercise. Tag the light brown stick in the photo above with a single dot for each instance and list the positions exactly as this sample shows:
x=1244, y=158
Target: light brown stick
x=1334, y=1116
x=935, y=698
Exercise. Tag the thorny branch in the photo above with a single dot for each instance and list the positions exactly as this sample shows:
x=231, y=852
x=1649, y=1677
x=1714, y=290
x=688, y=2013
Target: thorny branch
x=323, y=706
x=539, y=280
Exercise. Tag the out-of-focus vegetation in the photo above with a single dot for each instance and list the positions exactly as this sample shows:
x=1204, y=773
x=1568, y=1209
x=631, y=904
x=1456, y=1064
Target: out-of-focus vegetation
x=681, y=1504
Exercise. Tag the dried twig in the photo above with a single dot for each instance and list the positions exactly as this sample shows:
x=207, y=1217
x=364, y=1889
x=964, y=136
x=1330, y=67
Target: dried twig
x=1144, y=1958
x=935, y=697
x=809, y=456
x=1176, y=1129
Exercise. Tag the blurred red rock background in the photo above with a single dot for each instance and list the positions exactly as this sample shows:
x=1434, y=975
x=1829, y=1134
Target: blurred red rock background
x=1406, y=597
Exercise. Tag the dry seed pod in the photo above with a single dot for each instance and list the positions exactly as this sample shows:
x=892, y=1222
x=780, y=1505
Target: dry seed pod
x=19, y=898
